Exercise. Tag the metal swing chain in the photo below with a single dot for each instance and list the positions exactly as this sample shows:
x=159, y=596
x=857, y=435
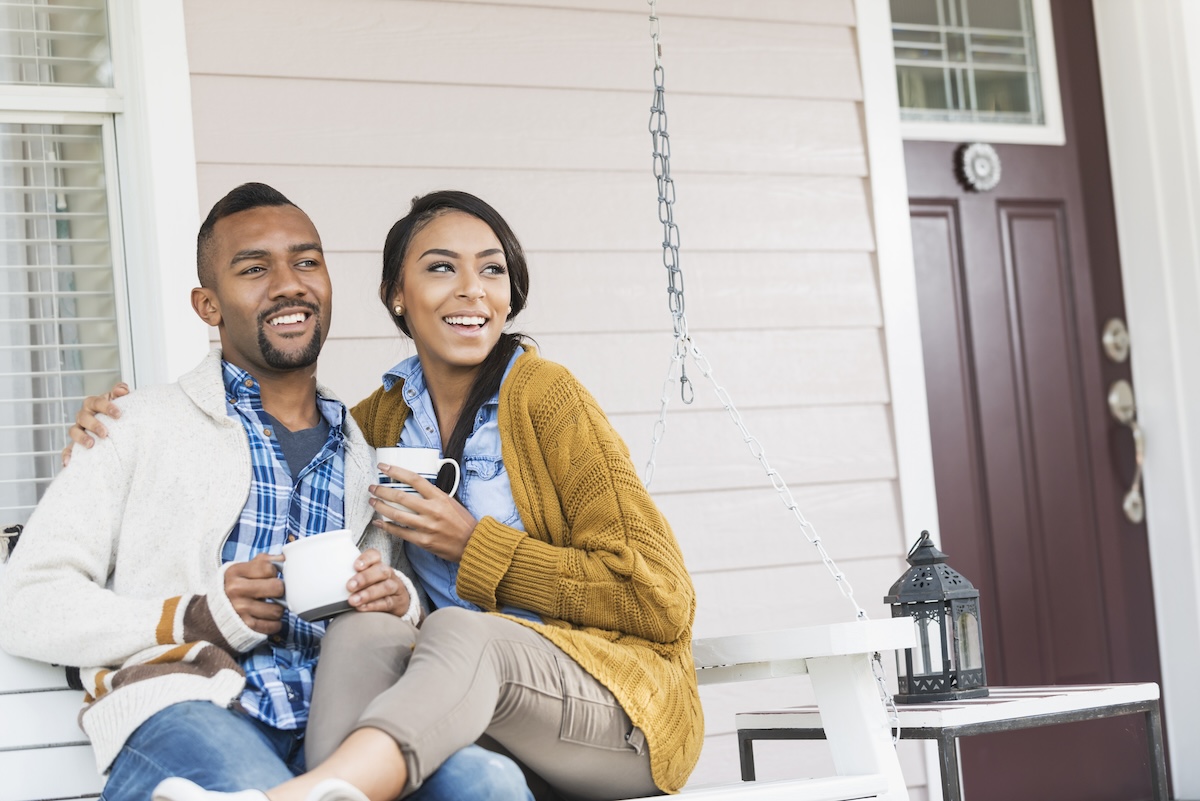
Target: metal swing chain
x=684, y=346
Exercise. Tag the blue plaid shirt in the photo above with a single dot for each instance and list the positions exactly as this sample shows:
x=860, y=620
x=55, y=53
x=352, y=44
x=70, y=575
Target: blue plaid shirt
x=281, y=508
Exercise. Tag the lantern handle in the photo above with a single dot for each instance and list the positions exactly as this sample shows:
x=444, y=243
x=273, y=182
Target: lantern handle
x=922, y=540
x=924, y=552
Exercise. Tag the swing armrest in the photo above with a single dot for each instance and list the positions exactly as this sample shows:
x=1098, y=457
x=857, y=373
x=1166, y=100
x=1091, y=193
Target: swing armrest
x=784, y=652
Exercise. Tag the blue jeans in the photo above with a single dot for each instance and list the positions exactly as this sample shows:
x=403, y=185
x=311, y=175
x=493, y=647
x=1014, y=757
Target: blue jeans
x=223, y=750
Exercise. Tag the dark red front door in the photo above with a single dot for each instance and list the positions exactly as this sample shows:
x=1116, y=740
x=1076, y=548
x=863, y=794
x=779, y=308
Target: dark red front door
x=1015, y=287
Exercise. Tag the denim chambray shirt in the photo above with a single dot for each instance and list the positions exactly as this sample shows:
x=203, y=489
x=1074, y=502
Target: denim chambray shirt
x=484, y=489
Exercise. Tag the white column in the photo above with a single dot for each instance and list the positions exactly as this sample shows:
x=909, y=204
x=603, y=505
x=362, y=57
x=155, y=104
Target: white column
x=159, y=202
x=1150, y=72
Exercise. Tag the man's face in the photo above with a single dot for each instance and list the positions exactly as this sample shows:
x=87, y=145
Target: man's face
x=271, y=297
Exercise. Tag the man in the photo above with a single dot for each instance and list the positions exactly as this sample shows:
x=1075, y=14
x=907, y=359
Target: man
x=147, y=563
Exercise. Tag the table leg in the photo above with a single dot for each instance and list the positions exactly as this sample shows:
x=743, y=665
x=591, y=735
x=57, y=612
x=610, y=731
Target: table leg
x=746, y=752
x=948, y=760
x=1158, y=761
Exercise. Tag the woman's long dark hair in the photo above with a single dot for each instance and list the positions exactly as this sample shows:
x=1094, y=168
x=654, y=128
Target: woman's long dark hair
x=487, y=380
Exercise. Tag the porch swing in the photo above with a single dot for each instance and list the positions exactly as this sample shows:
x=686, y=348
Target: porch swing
x=842, y=659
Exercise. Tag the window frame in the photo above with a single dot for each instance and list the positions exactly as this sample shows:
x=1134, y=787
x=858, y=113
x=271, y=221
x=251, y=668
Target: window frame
x=152, y=178
x=1050, y=132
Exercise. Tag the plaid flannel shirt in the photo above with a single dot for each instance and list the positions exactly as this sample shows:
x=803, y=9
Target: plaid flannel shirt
x=282, y=508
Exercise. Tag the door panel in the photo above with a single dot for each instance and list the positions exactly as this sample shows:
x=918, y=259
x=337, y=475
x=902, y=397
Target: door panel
x=1014, y=287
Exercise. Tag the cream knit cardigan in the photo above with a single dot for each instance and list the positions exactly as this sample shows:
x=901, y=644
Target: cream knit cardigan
x=119, y=568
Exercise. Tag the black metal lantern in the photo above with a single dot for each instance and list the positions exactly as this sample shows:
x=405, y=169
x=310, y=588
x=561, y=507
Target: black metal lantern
x=947, y=662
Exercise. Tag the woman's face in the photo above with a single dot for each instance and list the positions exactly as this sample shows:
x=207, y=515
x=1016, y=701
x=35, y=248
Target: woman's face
x=455, y=291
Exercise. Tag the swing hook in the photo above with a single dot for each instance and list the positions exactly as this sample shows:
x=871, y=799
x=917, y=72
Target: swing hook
x=687, y=390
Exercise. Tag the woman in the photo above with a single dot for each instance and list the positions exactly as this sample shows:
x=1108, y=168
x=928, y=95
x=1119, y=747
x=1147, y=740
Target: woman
x=562, y=630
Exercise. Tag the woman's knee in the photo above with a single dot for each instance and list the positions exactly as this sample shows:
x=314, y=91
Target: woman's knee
x=453, y=618
x=364, y=632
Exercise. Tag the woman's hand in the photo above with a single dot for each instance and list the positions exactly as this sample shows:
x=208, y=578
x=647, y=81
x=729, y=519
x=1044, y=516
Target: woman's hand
x=375, y=587
x=87, y=421
x=435, y=521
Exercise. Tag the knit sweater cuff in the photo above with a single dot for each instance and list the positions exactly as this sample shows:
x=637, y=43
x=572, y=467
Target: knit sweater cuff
x=488, y=557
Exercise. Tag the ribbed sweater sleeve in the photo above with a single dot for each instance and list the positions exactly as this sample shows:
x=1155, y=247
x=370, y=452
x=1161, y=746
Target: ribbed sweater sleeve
x=611, y=561
x=54, y=600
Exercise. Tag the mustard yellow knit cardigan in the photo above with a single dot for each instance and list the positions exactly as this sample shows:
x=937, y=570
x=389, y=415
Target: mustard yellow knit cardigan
x=597, y=560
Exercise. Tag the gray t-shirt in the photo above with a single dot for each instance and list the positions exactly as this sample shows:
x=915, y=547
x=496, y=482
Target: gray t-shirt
x=299, y=447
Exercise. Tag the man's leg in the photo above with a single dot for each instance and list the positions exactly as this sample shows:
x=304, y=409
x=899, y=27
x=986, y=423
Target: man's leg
x=218, y=749
x=475, y=774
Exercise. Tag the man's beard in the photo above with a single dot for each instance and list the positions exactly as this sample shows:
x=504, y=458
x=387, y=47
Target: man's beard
x=284, y=360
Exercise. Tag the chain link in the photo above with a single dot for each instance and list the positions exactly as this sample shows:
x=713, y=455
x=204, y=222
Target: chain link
x=685, y=346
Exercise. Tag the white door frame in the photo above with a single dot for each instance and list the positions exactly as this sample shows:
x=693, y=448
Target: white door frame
x=1150, y=71
x=1151, y=86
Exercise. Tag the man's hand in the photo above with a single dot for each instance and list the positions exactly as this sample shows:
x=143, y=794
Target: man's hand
x=86, y=420
x=248, y=586
x=375, y=587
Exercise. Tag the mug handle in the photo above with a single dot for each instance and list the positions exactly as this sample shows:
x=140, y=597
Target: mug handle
x=457, y=473
x=278, y=560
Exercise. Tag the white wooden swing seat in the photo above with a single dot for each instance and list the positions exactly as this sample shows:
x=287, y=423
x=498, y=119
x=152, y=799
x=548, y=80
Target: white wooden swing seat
x=45, y=757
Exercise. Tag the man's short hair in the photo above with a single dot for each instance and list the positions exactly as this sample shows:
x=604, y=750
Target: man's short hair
x=243, y=198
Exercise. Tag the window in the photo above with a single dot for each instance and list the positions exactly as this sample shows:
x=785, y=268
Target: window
x=64, y=331
x=976, y=70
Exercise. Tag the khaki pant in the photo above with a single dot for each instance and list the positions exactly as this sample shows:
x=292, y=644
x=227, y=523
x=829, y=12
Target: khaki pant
x=468, y=675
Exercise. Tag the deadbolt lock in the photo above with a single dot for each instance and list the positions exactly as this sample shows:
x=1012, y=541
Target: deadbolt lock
x=1116, y=340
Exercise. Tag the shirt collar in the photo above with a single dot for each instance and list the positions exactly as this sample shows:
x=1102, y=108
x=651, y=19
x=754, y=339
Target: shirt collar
x=407, y=372
x=242, y=390
x=410, y=374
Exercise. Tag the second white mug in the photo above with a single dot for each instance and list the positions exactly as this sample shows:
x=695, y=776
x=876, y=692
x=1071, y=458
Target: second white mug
x=427, y=462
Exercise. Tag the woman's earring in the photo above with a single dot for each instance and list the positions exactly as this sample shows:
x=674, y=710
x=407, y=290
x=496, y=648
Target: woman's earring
x=399, y=310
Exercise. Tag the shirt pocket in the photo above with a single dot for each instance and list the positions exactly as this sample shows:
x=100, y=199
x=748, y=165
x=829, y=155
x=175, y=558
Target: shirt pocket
x=486, y=490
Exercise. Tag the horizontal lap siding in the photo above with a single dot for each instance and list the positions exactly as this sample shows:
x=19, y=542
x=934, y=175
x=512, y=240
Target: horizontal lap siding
x=541, y=107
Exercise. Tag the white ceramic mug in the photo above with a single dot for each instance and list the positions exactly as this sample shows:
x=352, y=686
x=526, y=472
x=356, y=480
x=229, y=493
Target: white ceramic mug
x=316, y=570
x=427, y=462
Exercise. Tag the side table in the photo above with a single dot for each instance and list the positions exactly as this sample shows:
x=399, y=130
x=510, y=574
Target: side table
x=1004, y=709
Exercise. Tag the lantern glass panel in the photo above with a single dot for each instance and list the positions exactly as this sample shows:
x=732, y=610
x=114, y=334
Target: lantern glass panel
x=930, y=654
x=967, y=633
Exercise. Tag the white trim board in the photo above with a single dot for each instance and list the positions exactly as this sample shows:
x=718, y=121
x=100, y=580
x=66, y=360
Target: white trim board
x=1150, y=74
x=158, y=192
x=897, y=289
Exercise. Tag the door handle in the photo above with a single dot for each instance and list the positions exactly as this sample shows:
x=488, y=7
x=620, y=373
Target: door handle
x=1124, y=410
